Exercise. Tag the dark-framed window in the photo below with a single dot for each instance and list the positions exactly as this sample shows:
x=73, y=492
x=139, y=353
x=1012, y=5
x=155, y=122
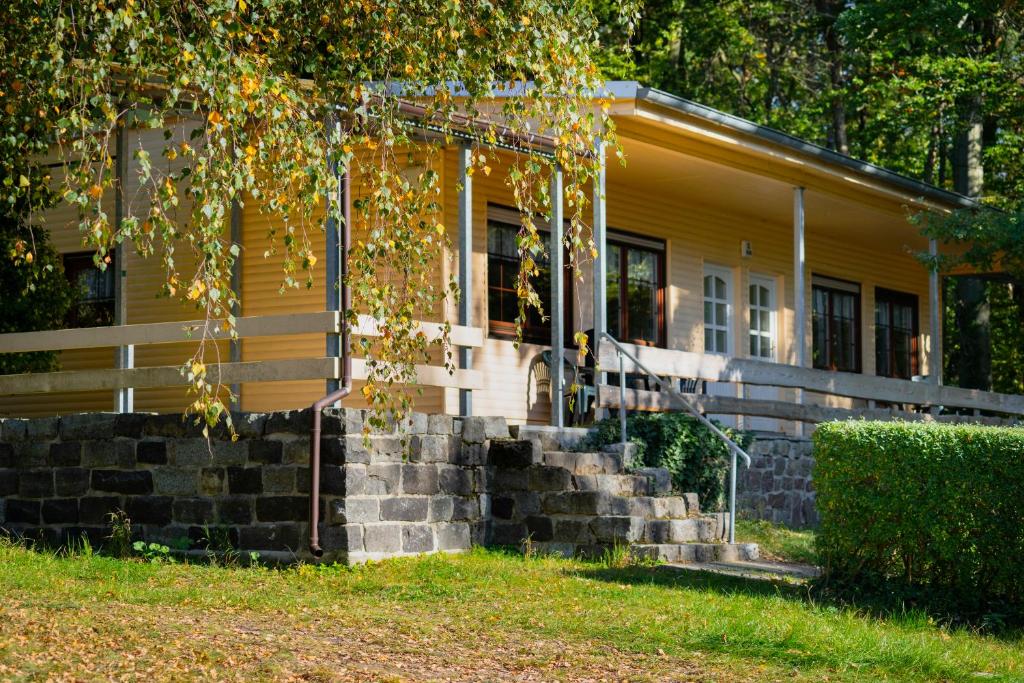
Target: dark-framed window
x=835, y=318
x=502, y=281
x=94, y=304
x=896, y=345
x=635, y=289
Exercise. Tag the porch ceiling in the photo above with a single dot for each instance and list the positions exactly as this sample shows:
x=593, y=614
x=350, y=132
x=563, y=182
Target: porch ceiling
x=658, y=171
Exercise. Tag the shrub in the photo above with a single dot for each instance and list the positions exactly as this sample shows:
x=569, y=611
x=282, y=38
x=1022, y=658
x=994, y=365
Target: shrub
x=928, y=511
x=697, y=460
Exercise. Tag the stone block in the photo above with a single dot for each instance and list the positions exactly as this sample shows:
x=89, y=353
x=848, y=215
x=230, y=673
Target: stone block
x=97, y=509
x=235, y=510
x=20, y=511
x=362, y=510
x=540, y=528
x=503, y=507
x=544, y=478
x=227, y=453
x=508, y=454
x=190, y=452
x=7, y=455
x=109, y=453
x=382, y=479
x=70, y=481
x=266, y=452
x=503, y=480
x=468, y=455
x=508, y=533
x=572, y=530
x=441, y=509
x=627, y=453
x=669, y=507
x=295, y=450
x=211, y=481
x=416, y=423
x=13, y=429
x=9, y=479
x=282, y=508
x=454, y=536
x=440, y=424
x=150, y=509
x=347, y=537
x=175, y=481
x=582, y=503
x=686, y=530
x=25, y=454
x=622, y=529
x=404, y=509
x=87, y=426
x=465, y=509
x=659, y=478
x=480, y=429
x=245, y=480
x=249, y=425
x=429, y=448
x=333, y=480
x=282, y=537
x=193, y=511
x=643, y=507
x=455, y=480
x=382, y=538
x=420, y=479
x=290, y=422
x=333, y=451
x=42, y=428
x=276, y=478
x=60, y=511
x=692, y=503
x=65, y=454
x=151, y=452
x=417, y=538
x=36, y=484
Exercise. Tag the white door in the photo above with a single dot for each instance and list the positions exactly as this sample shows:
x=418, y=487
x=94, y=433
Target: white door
x=718, y=327
x=762, y=343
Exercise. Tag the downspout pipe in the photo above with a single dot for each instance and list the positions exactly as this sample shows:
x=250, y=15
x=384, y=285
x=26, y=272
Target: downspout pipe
x=346, y=373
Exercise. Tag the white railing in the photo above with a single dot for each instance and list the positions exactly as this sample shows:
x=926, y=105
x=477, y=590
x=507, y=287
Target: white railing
x=324, y=368
x=911, y=400
x=685, y=401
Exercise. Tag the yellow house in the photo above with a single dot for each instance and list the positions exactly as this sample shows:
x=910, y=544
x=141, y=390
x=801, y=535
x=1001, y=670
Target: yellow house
x=772, y=278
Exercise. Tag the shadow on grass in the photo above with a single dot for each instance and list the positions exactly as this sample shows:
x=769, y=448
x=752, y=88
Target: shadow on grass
x=883, y=606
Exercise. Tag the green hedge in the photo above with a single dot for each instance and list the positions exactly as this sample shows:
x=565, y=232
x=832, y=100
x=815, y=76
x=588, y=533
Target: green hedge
x=935, y=511
x=697, y=460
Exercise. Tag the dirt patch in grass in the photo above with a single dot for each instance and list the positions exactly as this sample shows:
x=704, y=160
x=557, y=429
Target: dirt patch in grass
x=115, y=641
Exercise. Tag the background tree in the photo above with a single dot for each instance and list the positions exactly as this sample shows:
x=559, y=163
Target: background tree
x=933, y=89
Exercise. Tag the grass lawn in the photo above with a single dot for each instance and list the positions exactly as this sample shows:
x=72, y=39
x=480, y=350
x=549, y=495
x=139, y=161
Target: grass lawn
x=485, y=615
x=777, y=542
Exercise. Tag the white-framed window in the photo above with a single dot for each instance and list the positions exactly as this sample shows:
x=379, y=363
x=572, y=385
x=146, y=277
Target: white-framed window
x=717, y=309
x=763, y=335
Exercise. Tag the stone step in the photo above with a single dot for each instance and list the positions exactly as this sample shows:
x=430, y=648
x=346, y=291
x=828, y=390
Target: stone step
x=616, y=484
x=703, y=529
x=697, y=552
x=596, y=502
x=585, y=463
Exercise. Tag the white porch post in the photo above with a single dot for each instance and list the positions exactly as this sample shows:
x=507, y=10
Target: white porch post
x=557, y=303
x=599, y=275
x=333, y=268
x=935, y=326
x=465, y=268
x=124, y=358
x=799, y=290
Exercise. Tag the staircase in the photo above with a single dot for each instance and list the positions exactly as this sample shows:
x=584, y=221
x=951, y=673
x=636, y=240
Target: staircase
x=582, y=503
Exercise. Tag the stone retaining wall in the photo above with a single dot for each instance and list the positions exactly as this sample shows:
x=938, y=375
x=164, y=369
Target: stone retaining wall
x=60, y=478
x=778, y=485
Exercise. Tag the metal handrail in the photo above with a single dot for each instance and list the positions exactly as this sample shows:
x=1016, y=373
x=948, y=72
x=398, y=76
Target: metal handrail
x=690, y=406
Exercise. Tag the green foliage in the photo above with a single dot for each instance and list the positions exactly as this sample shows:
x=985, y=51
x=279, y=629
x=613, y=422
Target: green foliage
x=152, y=552
x=257, y=101
x=33, y=289
x=930, y=512
x=697, y=460
x=119, y=542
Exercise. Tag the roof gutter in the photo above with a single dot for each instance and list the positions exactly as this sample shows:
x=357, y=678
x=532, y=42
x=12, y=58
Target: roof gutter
x=809, y=149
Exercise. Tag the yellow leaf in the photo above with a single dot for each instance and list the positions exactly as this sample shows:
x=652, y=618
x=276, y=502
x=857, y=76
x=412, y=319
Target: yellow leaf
x=28, y=257
x=367, y=390
x=242, y=6
x=440, y=229
x=312, y=260
x=487, y=170
x=215, y=117
x=250, y=151
x=95, y=191
x=23, y=181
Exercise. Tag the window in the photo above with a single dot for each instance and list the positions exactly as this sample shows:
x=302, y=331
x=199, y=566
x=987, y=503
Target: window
x=762, y=318
x=835, y=315
x=502, y=281
x=636, y=310
x=717, y=309
x=94, y=306
x=895, y=334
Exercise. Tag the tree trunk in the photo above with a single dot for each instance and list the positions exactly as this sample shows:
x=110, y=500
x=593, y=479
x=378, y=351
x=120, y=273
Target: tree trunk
x=973, y=320
x=828, y=11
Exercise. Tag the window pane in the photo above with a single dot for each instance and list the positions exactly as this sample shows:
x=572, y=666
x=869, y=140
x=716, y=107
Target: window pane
x=709, y=313
x=642, y=295
x=766, y=321
x=720, y=289
x=720, y=341
x=721, y=318
x=753, y=295
x=709, y=339
x=755, y=345
x=707, y=286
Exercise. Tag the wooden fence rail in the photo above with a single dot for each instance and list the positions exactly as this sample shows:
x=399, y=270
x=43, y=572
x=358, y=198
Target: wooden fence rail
x=322, y=322
x=716, y=368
